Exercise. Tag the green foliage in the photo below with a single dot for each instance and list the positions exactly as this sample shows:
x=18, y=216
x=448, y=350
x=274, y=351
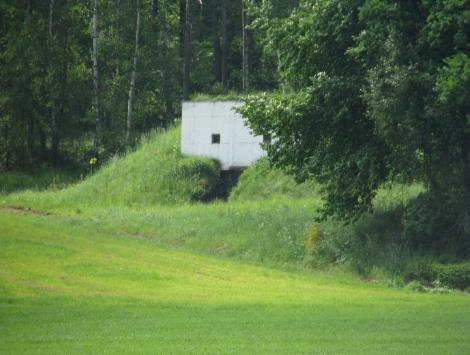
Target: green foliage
x=423, y=271
x=204, y=178
x=230, y=96
x=347, y=165
x=375, y=240
x=382, y=95
x=439, y=224
x=454, y=275
x=431, y=274
x=314, y=235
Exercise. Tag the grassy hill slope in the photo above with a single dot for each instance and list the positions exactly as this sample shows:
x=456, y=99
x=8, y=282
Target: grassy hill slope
x=268, y=218
x=154, y=174
x=261, y=181
x=66, y=286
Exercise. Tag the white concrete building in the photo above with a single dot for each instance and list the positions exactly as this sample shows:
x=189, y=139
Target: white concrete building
x=213, y=129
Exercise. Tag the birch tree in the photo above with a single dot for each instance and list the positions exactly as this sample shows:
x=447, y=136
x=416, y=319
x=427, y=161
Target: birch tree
x=245, y=47
x=130, y=100
x=224, y=46
x=187, y=50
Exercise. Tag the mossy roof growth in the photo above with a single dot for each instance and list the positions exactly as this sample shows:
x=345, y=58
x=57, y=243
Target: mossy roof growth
x=230, y=96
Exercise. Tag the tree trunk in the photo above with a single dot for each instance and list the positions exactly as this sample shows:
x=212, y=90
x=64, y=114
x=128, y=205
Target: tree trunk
x=30, y=137
x=293, y=3
x=7, y=147
x=96, y=81
x=187, y=50
x=167, y=90
x=56, y=134
x=182, y=31
x=224, y=46
x=217, y=65
x=130, y=100
x=51, y=83
x=246, y=48
x=154, y=8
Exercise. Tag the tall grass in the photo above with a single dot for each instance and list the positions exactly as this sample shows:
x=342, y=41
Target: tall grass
x=44, y=179
x=154, y=174
x=261, y=181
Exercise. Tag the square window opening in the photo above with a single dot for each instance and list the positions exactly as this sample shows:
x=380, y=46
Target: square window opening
x=216, y=138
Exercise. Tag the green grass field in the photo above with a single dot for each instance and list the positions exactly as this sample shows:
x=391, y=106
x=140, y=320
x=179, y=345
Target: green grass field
x=68, y=287
x=127, y=262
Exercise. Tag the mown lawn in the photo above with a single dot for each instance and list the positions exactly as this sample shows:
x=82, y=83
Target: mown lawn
x=67, y=286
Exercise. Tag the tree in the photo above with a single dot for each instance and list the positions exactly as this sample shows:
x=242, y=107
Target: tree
x=245, y=47
x=96, y=77
x=372, y=82
x=130, y=100
x=225, y=45
x=187, y=49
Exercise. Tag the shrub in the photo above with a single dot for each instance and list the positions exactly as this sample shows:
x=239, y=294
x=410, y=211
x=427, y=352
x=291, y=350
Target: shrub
x=423, y=271
x=454, y=275
x=429, y=273
x=415, y=286
x=203, y=175
x=439, y=223
x=313, y=234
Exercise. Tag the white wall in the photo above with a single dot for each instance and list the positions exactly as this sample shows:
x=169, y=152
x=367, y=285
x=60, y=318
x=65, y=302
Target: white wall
x=237, y=148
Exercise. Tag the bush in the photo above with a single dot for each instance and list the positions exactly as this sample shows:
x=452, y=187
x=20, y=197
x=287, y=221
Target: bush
x=262, y=181
x=204, y=175
x=430, y=274
x=454, y=275
x=439, y=223
x=415, y=286
x=423, y=271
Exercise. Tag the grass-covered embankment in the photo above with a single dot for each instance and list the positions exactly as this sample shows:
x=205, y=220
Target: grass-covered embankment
x=154, y=174
x=69, y=286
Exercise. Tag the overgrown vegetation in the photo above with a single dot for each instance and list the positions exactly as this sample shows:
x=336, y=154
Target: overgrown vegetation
x=41, y=179
x=391, y=106
x=154, y=174
x=263, y=181
x=268, y=219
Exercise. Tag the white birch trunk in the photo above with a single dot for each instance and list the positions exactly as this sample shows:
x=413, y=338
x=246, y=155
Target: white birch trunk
x=187, y=50
x=130, y=100
x=245, y=49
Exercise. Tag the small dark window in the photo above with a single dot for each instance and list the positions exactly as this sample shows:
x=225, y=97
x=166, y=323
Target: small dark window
x=266, y=138
x=216, y=138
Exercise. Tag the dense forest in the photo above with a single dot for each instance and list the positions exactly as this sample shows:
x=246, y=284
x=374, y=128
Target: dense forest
x=84, y=78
